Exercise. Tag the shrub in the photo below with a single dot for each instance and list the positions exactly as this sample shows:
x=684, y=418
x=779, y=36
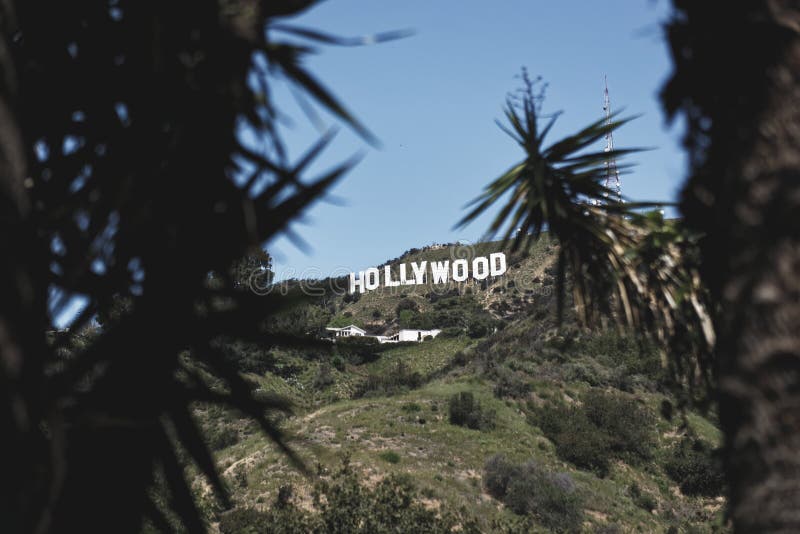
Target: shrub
x=449, y=318
x=360, y=349
x=283, y=518
x=411, y=319
x=527, y=489
x=390, y=456
x=576, y=439
x=241, y=521
x=407, y=318
x=248, y=357
x=351, y=297
x=695, y=468
x=301, y=320
x=497, y=474
x=460, y=358
x=406, y=304
x=451, y=331
x=510, y=384
x=355, y=342
x=345, y=505
x=627, y=423
x=464, y=410
x=607, y=426
x=285, y=494
x=630, y=356
x=324, y=377
x=580, y=371
x=480, y=326
x=220, y=437
x=582, y=444
x=345, y=319
x=666, y=410
x=398, y=378
x=643, y=500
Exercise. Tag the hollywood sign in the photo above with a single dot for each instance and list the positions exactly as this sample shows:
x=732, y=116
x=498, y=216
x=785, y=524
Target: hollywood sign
x=459, y=270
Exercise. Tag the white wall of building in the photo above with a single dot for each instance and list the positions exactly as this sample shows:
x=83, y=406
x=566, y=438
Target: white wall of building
x=416, y=335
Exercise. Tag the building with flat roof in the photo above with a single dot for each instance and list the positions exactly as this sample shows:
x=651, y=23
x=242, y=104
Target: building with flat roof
x=405, y=334
x=411, y=335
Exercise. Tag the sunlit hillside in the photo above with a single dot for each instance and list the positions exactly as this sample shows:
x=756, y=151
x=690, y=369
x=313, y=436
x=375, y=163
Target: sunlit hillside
x=504, y=422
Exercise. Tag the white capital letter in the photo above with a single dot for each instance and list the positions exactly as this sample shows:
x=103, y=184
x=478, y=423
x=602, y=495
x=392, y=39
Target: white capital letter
x=439, y=270
x=480, y=268
x=387, y=274
x=419, y=272
x=371, y=279
x=403, y=280
x=502, y=268
x=460, y=265
x=357, y=282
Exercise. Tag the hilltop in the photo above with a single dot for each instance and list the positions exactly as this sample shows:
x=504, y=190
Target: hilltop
x=435, y=305
x=506, y=421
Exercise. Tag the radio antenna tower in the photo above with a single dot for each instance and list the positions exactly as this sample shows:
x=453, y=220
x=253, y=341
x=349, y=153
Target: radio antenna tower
x=612, y=182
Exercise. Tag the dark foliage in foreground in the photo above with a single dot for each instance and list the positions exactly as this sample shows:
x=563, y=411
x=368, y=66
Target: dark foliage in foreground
x=124, y=178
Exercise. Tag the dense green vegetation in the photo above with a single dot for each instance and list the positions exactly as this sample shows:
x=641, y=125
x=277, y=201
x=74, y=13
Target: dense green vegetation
x=345, y=505
x=603, y=428
x=523, y=428
x=527, y=489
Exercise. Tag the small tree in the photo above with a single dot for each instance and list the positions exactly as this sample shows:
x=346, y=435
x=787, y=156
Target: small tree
x=464, y=410
x=253, y=271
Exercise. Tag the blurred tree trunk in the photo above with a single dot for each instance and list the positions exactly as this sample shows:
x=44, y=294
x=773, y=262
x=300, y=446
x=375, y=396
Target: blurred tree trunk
x=737, y=80
x=23, y=317
x=759, y=324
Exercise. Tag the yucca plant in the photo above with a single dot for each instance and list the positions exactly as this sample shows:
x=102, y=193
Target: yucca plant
x=559, y=188
x=671, y=304
x=620, y=263
x=124, y=178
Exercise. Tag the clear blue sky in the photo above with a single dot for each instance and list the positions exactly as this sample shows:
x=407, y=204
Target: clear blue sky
x=432, y=100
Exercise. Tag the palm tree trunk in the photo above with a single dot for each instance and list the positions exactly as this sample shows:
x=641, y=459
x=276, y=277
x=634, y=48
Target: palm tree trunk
x=759, y=324
x=22, y=317
x=737, y=82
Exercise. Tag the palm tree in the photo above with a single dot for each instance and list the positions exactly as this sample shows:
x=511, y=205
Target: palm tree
x=736, y=253
x=622, y=264
x=736, y=85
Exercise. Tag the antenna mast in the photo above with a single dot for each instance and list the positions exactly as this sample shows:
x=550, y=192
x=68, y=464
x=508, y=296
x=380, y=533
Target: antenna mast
x=612, y=181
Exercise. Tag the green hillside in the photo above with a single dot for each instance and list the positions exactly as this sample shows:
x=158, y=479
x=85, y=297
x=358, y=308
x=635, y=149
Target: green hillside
x=503, y=423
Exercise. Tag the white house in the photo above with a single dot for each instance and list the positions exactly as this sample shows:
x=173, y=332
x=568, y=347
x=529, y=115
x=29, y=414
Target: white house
x=410, y=335
x=402, y=335
x=346, y=331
